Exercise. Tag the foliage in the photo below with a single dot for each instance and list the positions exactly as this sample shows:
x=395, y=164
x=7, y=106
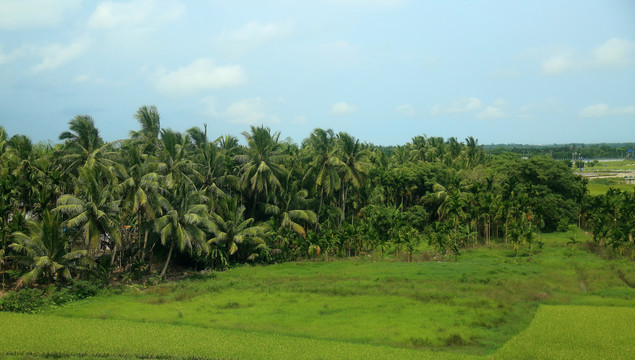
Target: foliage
x=24, y=301
x=131, y=203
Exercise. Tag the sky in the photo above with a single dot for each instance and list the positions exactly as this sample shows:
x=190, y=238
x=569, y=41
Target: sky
x=526, y=72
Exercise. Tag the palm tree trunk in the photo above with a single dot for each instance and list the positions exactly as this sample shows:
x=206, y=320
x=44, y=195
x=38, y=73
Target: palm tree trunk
x=317, y=222
x=344, y=191
x=114, y=254
x=167, y=261
x=145, y=243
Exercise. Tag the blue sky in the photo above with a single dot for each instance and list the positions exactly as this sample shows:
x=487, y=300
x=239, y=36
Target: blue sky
x=537, y=72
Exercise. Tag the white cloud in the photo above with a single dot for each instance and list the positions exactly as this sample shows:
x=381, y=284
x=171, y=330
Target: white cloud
x=13, y=55
x=406, y=110
x=613, y=54
x=82, y=78
x=500, y=102
x=19, y=14
x=343, y=108
x=136, y=13
x=604, y=110
x=491, y=112
x=253, y=35
x=616, y=53
x=247, y=111
x=200, y=75
x=56, y=55
x=550, y=105
x=558, y=64
x=255, y=32
x=460, y=106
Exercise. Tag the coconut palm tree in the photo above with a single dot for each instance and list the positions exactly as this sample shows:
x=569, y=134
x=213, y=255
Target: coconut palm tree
x=291, y=211
x=323, y=166
x=183, y=221
x=84, y=147
x=150, y=122
x=46, y=248
x=261, y=171
x=174, y=162
x=232, y=231
x=352, y=166
x=138, y=189
x=93, y=208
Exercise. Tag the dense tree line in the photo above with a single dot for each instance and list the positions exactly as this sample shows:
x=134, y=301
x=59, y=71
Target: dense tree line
x=94, y=209
x=568, y=151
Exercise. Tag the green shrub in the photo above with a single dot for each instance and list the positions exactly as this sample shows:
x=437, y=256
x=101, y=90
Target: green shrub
x=24, y=301
x=61, y=296
x=83, y=289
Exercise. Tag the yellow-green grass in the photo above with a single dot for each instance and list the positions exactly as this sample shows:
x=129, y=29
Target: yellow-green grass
x=602, y=166
x=468, y=307
x=556, y=332
x=47, y=335
x=575, y=332
x=601, y=186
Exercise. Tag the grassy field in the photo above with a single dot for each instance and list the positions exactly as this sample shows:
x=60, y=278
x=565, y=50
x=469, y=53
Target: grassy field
x=601, y=186
x=622, y=165
x=480, y=306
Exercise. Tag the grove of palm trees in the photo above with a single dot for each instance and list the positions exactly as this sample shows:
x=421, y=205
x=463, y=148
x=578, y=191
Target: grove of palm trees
x=163, y=202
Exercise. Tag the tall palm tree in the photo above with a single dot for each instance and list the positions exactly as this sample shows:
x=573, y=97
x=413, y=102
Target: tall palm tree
x=174, y=162
x=183, y=222
x=138, y=189
x=352, y=166
x=47, y=250
x=262, y=170
x=322, y=169
x=26, y=169
x=83, y=146
x=93, y=208
x=150, y=122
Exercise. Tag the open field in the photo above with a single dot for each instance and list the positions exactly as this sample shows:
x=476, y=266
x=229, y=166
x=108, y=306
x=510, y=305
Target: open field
x=602, y=185
x=371, y=308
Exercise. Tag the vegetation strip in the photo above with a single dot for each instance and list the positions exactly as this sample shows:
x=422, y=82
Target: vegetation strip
x=51, y=335
x=557, y=332
x=575, y=332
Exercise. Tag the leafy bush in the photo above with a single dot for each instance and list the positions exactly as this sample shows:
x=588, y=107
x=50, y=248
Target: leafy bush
x=83, y=289
x=24, y=301
x=30, y=300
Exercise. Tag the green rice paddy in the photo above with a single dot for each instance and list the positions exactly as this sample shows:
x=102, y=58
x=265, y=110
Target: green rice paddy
x=562, y=302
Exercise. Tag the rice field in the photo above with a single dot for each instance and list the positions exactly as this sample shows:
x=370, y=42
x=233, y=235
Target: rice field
x=562, y=302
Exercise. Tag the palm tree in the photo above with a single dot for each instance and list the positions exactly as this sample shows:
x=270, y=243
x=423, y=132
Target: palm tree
x=139, y=188
x=262, y=169
x=93, y=208
x=291, y=212
x=47, y=250
x=28, y=175
x=174, y=162
x=352, y=166
x=150, y=121
x=84, y=147
x=232, y=230
x=322, y=169
x=183, y=221
x=83, y=134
